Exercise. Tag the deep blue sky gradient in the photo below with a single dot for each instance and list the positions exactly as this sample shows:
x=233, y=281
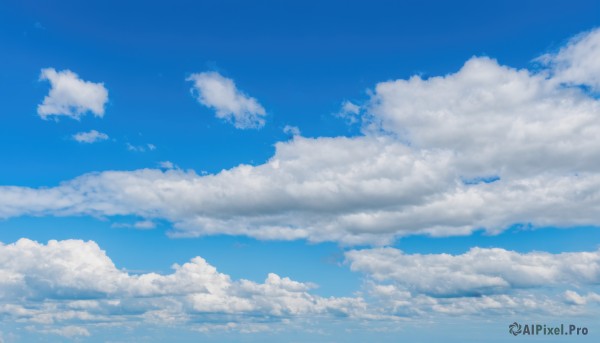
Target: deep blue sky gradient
x=300, y=59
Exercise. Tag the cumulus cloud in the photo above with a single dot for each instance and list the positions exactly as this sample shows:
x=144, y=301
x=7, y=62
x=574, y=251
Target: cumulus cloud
x=221, y=94
x=477, y=272
x=283, y=199
x=92, y=136
x=577, y=62
x=71, y=96
x=479, y=282
x=366, y=190
x=72, y=281
x=495, y=119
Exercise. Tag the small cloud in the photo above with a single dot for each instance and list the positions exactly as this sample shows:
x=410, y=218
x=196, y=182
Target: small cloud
x=349, y=111
x=140, y=225
x=132, y=147
x=166, y=165
x=92, y=136
x=221, y=94
x=291, y=130
x=39, y=26
x=70, y=96
x=140, y=148
x=575, y=298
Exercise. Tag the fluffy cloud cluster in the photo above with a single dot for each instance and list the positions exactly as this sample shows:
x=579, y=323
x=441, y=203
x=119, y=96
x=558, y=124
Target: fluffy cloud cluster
x=71, y=96
x=65, y=282
x=478, y=282
x=476, y=272
x=221, y=94
x=496, y=120
x=486, y=147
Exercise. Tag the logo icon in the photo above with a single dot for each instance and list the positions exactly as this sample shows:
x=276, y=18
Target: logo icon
x=514, y=328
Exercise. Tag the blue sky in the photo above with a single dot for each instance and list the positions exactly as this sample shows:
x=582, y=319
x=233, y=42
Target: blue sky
x=416, y=169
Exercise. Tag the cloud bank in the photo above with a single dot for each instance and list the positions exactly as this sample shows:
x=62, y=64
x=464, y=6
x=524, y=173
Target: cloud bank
x=72, y=288
x=480, y=282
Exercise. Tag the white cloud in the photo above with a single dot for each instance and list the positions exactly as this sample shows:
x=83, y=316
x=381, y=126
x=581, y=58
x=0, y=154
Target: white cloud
x=389, y=300
x=71, y=96
x=64, y=282
x=167, y=165
x=477, y=272
x=92, y=136
x=481, y=282
x=140, y=148
x=365, y=191
x=496, y=120
x=577, y=299
x=350, y=112
x=220, y=93
x=577, y=62
x=283, y=199
x=291, y=130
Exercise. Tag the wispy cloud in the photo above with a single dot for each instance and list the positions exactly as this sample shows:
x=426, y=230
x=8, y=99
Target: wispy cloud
x=350, y=112
x=291, y=130
x=220, y=93
x=92, y=136
x=577, y=62
x=140, y=225
x=167, y=165
x=140, y=148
